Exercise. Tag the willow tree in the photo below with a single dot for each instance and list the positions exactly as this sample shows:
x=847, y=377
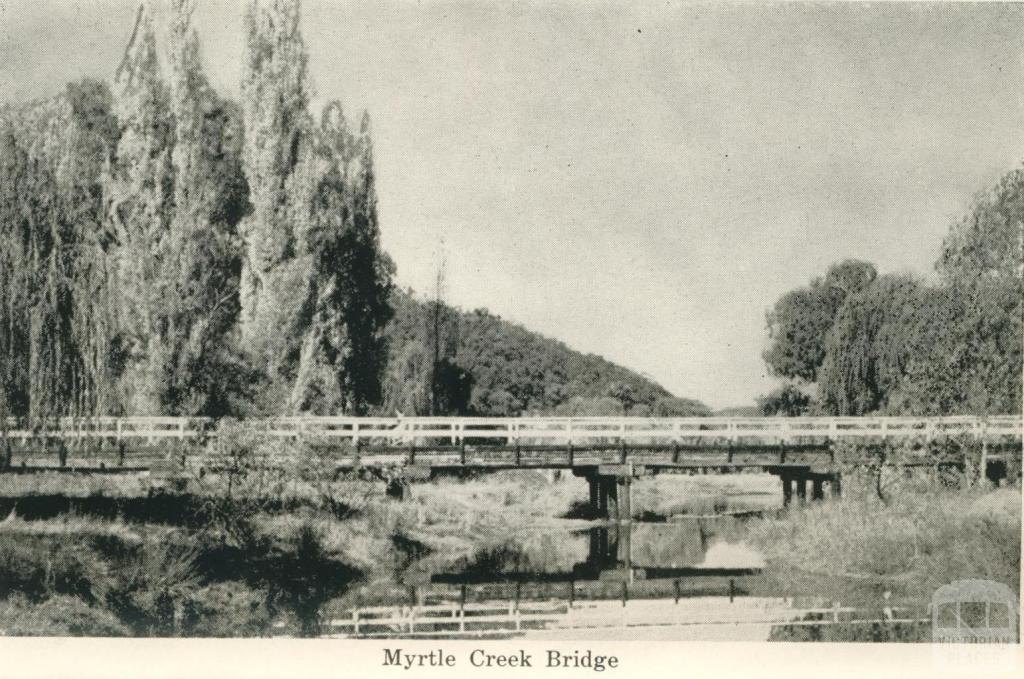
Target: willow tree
x=799, y=322
x=878, y=335
x=57, y=316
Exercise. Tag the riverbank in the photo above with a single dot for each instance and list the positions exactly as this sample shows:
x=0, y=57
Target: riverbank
x=109, y=556
x=921, y=538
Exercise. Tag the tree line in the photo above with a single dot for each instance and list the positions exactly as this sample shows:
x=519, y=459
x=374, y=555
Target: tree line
x=166, y=250
x=853, y=342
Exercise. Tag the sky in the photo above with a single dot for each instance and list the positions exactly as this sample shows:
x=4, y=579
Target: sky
x=640, y=183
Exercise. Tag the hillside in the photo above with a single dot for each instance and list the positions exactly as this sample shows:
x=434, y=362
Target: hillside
x=490, y=366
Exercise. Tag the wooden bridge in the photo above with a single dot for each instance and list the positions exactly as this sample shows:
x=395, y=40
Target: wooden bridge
x=608, y=451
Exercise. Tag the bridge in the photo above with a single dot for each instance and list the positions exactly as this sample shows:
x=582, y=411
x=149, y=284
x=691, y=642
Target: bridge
x=610, y=452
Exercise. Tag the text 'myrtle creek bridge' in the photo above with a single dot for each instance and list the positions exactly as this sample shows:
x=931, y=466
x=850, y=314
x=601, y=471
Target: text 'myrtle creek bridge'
x=608, y=451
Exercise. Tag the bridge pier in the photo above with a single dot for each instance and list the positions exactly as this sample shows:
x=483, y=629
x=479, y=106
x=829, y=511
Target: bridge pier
x=800, y=479
x=610, y=489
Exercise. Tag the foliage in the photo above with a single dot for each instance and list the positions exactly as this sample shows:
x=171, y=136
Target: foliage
x=506, y=370
x=873, y=340
x=56, y=311
x=788, y=400
x=899, y=345
x=799, y=322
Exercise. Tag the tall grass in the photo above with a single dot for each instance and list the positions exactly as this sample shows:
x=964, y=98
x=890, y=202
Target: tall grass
x=924, y=537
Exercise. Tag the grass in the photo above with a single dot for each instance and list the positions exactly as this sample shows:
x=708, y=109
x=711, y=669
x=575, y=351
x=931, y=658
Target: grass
x=923, y=537
x=254, y=554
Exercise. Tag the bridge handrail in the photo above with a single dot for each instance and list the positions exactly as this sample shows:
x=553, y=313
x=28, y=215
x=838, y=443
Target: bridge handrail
x=533, y=429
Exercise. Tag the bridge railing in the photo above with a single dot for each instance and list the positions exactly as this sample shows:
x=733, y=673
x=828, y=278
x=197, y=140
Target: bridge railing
x=534, y=430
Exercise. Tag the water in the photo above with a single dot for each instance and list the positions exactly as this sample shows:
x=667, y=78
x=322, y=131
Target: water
x=689, y=580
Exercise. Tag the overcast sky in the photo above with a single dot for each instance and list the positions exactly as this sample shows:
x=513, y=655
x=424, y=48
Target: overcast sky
x=641, y=184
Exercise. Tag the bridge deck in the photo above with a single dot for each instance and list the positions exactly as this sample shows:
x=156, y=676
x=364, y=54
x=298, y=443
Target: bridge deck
x=661, y=444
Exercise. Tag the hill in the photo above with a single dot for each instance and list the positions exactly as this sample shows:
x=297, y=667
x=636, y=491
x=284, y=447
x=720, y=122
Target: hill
x=445, y=360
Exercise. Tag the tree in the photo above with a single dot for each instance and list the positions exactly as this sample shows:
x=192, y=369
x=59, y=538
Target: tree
x=800, y=321
x=276, y=270
x=365, y=309
x=202, y=258
x=345, y=351
x=788, y=401
x=57, y=313
x=988, y=243
x=140, y=194
x=876, y=337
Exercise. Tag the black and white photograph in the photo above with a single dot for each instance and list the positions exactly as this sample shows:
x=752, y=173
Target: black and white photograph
x=507, y=322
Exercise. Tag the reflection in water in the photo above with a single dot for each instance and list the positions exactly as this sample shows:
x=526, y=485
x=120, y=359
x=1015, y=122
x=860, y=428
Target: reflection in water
x=693, y=580
x=732, y=555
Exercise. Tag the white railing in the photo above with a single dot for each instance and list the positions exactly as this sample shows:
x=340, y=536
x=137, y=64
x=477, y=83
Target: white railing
x=513, y=616
x=411, y=431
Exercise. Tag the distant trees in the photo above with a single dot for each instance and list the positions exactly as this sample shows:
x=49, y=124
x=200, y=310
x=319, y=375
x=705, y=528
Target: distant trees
x=787, y=401
x=502, y=369
x=895, y=344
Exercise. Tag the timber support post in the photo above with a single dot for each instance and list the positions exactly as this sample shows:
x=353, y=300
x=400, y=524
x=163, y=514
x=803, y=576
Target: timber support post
x=801, y=489
x=610, y=490
x=625, y=504
x=787, y=490
x=818, y=488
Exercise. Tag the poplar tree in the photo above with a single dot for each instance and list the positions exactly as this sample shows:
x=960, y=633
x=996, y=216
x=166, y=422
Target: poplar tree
x=344, y=350
x=365, y=309
x=140, y=194
x=275, y=270
x=203, y=253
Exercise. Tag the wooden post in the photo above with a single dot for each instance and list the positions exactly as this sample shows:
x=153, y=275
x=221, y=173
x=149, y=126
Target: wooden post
x=625, y=507
x=624, y=552
x=818, y=489
x=787, y=490
x=611, y=497
x=1012, y=465
x=595, y=507
x=983, y=472
x=837, y=485
x=801, y=489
